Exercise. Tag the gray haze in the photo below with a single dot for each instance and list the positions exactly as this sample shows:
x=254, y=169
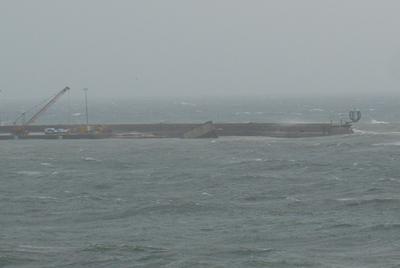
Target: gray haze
x=132, y=49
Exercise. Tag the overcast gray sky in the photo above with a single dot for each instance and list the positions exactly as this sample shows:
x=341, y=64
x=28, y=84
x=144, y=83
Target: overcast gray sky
x=217, y=47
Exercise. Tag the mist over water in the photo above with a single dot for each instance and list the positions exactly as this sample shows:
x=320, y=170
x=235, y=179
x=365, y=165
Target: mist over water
x=375, y=110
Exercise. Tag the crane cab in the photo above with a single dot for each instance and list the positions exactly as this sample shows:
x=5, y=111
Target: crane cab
x=19, y=131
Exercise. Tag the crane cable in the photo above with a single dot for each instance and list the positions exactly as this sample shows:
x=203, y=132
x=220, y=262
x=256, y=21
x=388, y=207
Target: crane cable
x=34, y=107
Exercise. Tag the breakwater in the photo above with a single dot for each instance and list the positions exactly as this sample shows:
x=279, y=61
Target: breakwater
x=222, y=129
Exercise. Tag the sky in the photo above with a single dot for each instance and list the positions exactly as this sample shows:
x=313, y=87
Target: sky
x=133, y=49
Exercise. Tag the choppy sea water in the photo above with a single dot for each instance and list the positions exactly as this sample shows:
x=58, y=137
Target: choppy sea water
x=227, y=202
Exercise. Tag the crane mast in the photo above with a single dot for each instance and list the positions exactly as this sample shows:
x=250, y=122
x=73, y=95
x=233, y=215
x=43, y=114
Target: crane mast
x=20, y=130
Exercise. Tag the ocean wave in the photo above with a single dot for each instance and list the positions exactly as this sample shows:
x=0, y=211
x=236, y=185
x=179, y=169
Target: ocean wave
x=13, y=260
x=43, y=197
x=375, y=133
x=236, y=162
x=384, y=226
x=365, y=132
x=40, y=249
x=373, y=121
x=123, y=247
x=263, y=197
x=342, y=225
x=292, y=199
x=28, y=173
x=388, y=179
x=396, y=143
x=246, y=251
x=364, y=201
x=274, y=164
x=90, y=159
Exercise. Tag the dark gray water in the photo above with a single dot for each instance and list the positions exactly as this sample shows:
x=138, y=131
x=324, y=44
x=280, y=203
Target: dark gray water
x=228, y=202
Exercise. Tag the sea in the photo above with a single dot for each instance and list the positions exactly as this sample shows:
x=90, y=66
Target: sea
x=226, y=202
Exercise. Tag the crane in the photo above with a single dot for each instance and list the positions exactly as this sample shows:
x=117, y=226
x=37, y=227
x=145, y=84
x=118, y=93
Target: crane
x=20, y=130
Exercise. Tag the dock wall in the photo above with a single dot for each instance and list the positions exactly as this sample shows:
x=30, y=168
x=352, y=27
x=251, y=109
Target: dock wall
x=282, y=130
x=223, y=129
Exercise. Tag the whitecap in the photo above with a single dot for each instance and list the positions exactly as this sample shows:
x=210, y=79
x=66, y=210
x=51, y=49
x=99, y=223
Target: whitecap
x=346, y=199
x=397, y=143
x=45, y=197
x=29, y=173
x=185, y=103
x=373, y=121
x=362, y=132
x=90, y=159
x=40, y=249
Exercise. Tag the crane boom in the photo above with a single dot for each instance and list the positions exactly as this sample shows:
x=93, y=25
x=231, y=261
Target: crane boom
x=20, y=130
x=46, y=106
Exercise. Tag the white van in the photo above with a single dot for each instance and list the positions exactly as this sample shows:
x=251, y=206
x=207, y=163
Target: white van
x=49, y=131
